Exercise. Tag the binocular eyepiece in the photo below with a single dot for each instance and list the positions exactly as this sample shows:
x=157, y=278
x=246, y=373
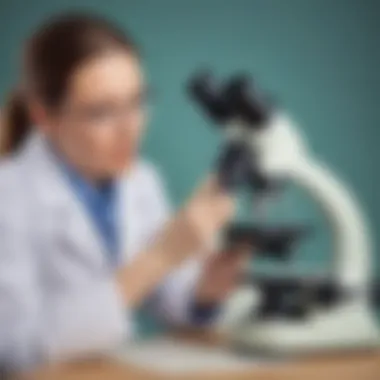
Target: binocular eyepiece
x=237, y=99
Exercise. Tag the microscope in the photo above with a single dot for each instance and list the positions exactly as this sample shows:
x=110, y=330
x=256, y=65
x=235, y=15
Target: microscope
x=289, y=315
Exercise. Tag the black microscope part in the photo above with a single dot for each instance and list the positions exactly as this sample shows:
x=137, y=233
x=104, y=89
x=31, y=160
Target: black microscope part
x=260, y=183
x=295, y=297
x=236, y=100
x=285, y=302
x=203, y=88
x=375, y=294
x=233, y=166
x=247, y=103
x=274, y=242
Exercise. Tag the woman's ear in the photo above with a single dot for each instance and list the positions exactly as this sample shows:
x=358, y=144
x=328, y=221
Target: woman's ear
x=39, y=116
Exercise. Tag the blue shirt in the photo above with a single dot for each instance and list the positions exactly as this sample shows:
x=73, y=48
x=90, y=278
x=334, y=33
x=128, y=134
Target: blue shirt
x=101, y=202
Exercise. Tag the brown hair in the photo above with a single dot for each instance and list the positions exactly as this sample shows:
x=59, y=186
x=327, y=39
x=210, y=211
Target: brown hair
x=50, y=58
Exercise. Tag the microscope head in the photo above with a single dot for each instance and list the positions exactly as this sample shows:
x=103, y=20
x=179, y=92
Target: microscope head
x=235, y=101
x=242, y=112
x=250, y=106
x=264, y=146
x=209, y=95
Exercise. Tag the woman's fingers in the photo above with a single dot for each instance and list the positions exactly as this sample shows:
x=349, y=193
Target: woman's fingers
x=208, y=217
x=216, y=204
x=197, y=225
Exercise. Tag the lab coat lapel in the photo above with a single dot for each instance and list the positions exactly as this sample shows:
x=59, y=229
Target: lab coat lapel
x=125, y=226
x=128, y=216
x=136, y=212
x=70, y=222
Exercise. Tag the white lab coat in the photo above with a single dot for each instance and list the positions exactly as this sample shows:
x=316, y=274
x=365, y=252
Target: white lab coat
x=58, y=297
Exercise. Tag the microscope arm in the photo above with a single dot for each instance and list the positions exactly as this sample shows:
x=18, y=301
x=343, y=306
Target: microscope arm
x=352, y=254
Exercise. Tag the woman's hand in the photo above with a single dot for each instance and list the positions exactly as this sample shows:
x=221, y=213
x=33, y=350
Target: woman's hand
x=189, y=232
x=221, y=275
x=209, y=209
x=196, y=226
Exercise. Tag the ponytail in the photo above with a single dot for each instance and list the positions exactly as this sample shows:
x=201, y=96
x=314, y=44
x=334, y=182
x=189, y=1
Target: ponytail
x=15, y=124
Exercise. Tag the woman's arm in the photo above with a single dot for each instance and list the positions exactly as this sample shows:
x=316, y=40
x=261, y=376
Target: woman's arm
x=174, y=299
x=178, y=240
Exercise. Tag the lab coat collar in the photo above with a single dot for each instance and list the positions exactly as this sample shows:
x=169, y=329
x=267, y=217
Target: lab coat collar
x=56, y=194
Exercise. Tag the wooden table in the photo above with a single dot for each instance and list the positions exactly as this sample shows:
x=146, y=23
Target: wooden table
x=353, y=366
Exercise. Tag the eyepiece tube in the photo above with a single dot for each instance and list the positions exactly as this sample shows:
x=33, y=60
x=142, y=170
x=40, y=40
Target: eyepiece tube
x=204, y=90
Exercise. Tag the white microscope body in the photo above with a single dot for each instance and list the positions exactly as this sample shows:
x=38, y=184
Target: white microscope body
x=350, y=324
x=264, y=145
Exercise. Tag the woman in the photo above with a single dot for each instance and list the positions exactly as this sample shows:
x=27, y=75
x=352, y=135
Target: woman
x=86, y=235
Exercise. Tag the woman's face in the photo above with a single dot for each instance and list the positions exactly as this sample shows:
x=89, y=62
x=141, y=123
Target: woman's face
x=101, y=123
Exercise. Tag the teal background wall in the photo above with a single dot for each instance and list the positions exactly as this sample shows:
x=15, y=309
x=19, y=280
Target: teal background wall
x=319, y=57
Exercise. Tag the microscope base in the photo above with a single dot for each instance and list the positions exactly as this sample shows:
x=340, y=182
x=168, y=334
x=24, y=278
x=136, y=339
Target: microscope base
x=347, y=327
